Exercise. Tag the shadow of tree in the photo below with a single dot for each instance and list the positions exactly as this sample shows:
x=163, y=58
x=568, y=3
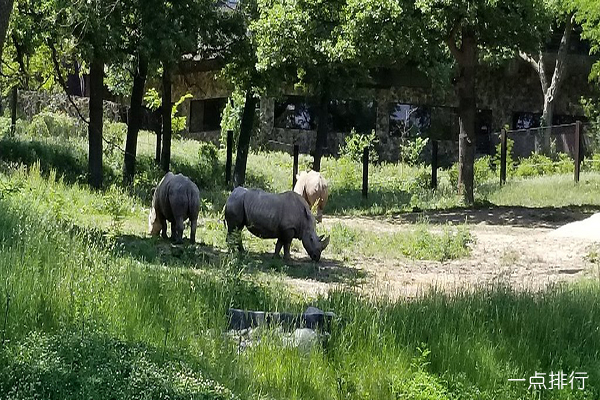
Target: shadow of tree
x=528, y=217
x=74, y=366
x=159, y=251
x=377, y=202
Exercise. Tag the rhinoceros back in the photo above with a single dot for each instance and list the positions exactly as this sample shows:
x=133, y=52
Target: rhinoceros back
x=177, y=196
x=266, y=215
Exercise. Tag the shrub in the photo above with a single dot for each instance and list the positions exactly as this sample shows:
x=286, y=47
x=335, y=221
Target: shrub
x=534, y=165
x=483, y=170
x=49, y=124
x=410, y=151
x=354, y=146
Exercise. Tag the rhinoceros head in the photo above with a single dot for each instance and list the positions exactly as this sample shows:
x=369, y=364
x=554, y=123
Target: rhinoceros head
x=154, y=225
x=314, y=244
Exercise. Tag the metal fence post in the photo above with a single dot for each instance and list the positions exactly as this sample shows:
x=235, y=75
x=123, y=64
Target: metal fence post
x=229, y=157
x=365, y=183
x=577, y=150
x=434, y=163
x=13, y=109
x=503, y=156
x=295, y=168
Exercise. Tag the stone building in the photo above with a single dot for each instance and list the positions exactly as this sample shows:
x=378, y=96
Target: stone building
x=401, y=103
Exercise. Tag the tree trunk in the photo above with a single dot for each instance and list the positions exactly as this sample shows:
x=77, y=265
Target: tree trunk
x=95, y=126
x=13, y=109
x=6, y=7
x=550, y=91
x=321, y=128
x=241, y=159
x=158, y=131
x=165, y=157
x=467, y=110
x=135, y=118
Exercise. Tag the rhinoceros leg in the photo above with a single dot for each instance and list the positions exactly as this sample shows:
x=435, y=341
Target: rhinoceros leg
x=177, y=231
x=286, y=250
x=278, y=247
x=193, y=226
x=163, y=223
x=286, y=240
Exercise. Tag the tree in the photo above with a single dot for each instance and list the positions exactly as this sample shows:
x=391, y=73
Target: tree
x=6, y=7
x=298, y=40
x=469, y=27
x=557, y=14
x=239, y=51
x=587, y=13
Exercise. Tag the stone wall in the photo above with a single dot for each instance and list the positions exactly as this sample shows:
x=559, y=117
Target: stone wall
x=30, y=103
x=504, y=90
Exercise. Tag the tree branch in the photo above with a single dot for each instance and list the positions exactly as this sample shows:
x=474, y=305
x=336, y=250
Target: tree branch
x=526, y=57
x=560, y=66
x=451, y=41
x=62, y=82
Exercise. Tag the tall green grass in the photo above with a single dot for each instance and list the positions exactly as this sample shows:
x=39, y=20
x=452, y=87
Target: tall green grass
x=85, y=314
x=86, y=318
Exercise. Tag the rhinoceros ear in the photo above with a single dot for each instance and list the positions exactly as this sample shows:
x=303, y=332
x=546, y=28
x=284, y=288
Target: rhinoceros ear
x=325, y=242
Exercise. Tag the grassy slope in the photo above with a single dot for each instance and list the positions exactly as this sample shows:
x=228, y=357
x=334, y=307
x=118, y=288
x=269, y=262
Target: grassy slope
x=90, y=315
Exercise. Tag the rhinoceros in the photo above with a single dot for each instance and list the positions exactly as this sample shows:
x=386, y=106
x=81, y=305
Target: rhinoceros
x=175, y=199
x=282, y=216
x=313, y=187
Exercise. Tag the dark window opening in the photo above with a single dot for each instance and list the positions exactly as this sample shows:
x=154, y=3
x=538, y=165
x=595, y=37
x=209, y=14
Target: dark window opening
x=529, y=120
x=408, y=120
x=205, y=115
x=347, y=114
x=483, y=129
x=295, y=112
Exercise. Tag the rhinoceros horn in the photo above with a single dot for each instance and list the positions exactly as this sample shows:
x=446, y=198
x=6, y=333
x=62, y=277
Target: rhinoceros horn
x=324, y=242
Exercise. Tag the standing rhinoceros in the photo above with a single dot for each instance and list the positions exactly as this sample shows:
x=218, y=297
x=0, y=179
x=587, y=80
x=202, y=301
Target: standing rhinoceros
x=313, y=187
x=283, y=216
x=175, y=199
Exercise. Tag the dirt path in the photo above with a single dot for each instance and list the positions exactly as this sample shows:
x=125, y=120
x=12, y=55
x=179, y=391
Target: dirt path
x=511, y=247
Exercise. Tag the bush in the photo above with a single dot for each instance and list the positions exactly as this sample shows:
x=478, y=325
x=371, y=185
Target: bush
x=410, y=151
x=49, y=124
x=483, y=170
x=355, y=144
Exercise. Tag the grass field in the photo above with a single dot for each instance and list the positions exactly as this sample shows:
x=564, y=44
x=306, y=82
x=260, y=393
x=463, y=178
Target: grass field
x=90, y=307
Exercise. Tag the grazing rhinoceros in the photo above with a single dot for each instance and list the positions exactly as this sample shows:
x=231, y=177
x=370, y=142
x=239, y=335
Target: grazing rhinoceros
x=175, y=199
x=283, y=216
x=313, y=187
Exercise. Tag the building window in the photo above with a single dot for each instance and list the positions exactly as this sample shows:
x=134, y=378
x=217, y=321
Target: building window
x=528, y=120
x=295, y=112
x=347, y=114
x=205, y=115
x=483, y=129
x=408, y=120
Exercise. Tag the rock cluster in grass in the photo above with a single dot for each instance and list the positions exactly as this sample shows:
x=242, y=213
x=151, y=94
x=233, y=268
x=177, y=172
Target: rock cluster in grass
x=302, y=331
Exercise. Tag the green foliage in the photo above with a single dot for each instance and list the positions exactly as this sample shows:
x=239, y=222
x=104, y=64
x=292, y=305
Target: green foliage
x=118, y=206
x=231, y=117
x=48, y=124
x=411, y=150
x=97, y=366
x=113, y=135
x=153, y=101
x=355, y=144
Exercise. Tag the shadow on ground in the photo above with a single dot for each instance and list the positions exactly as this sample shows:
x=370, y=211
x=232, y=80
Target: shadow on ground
x=199, y=256
x=526, y=217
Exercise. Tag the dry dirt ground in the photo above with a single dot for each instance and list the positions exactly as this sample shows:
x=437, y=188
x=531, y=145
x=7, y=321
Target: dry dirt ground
x=512, y=246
